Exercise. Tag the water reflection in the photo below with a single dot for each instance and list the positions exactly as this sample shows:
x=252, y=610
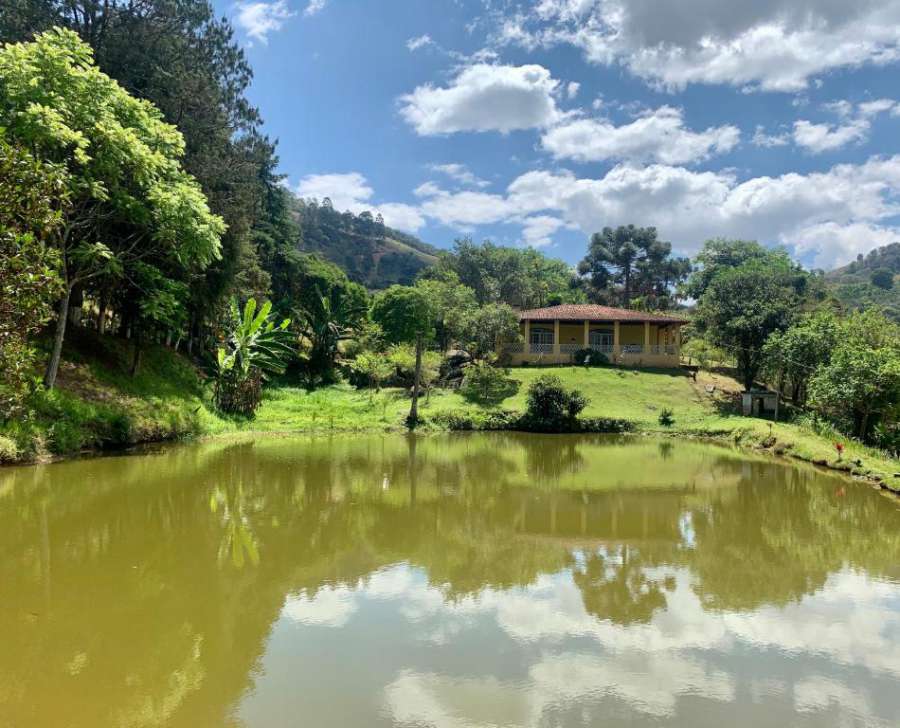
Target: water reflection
x=449, y=581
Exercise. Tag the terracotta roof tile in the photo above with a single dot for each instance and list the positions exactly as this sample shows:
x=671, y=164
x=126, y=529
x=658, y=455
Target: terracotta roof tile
x=591, y=312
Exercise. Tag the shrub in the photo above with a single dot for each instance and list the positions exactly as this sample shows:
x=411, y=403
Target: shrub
x=487, y=385
x=666, y=417
x=590, y=358
x=551, y=406
x=9, y=451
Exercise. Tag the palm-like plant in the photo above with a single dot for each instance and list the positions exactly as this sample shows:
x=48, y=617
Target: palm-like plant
x=255, y=349
x=324, y=323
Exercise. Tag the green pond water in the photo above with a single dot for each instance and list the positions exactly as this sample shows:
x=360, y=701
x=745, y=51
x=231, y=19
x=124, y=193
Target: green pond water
x=451, y=581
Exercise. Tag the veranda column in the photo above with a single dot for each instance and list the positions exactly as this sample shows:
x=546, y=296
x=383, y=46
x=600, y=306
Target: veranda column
x=646, y=337
x=527, y=349
x=556, y=337
x=678, y=341
x=587, y=333
x=616, y=349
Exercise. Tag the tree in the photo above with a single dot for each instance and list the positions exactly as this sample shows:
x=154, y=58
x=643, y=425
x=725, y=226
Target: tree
x=452, y=304
x=374, y=366
x=860, y=384
x=520, y=277
x=794, y=354
x=131, y=199
x=187, y=62
x=720, y=254
x=635, y=260
x=406, y=315
x=489, y=324
x=742, y=307
x=32, y=197
x=883, y=278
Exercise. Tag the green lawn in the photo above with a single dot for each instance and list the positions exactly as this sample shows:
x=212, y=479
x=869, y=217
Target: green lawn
x=99, y=404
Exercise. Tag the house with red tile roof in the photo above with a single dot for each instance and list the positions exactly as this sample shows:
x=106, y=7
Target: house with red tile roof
x=553, y=334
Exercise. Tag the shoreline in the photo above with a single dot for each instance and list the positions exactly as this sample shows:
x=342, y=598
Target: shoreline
x=741, y=439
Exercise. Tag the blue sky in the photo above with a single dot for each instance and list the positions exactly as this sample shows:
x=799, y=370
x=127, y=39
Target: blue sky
x=539, y=123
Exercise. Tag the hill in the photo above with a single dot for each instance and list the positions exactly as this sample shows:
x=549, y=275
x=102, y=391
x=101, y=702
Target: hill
x=853, y=284
x=370, y=252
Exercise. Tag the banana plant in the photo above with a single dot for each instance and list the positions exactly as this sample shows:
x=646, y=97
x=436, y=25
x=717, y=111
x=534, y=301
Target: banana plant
x=255, y=349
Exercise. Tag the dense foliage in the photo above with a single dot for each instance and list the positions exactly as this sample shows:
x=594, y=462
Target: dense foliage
x=520, y=277
x=630, y=266
x=551, y=406
x=869, y=281
x=33, y=195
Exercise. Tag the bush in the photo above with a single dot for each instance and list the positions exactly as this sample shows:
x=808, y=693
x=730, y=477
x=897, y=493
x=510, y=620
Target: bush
x=666, y=417
x=590, y=358
x=487, y=385
x=551, y=406
x=9, y=451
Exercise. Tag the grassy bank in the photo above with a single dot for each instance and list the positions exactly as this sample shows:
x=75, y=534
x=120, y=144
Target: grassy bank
x=99, y=405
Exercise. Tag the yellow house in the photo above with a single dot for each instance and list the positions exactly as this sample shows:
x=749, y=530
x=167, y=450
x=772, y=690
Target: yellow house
x=552, y=335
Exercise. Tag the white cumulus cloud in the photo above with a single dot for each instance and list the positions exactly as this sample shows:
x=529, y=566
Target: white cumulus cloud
x=484, y=97
x=659, y=135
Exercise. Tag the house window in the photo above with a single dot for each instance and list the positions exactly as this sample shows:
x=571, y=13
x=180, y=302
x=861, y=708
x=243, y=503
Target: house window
x=600, y=338
x=541, y=336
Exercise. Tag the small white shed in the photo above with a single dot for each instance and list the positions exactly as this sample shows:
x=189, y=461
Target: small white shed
x=760, y=403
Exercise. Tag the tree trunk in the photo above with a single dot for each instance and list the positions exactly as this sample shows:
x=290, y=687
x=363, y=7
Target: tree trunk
x=136, y=359
x=413, y=418
x=101, y=317
x=60, y=334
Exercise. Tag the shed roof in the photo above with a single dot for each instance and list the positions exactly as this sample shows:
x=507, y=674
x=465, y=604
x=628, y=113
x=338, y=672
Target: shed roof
x=592, y=312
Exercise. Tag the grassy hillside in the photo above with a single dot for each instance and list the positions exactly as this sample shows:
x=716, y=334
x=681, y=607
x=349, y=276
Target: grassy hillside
x=852, y=284
x=98, y=404
x=370, y=252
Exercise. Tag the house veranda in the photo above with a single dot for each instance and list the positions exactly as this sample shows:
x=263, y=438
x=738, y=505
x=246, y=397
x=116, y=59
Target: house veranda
x=552, y=335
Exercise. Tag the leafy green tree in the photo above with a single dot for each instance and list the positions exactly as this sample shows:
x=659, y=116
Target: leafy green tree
x=794, y=354
x=255, y=349
x=742, y=307
x=883, y=278
x=520, y=277
x=130, y=197
x=32, y=197
x=406, y=315
x=489, y=324
x=720, y=254
x=487, y=385
x=452, y=304
x=374, y=366
x=859, y=387
x=182, y=58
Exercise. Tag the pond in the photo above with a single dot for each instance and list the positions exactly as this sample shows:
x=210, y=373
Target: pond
x=452, y=581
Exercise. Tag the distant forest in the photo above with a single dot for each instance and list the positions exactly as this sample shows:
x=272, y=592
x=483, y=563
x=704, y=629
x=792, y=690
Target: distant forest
x=371, y=253
x=870, y=280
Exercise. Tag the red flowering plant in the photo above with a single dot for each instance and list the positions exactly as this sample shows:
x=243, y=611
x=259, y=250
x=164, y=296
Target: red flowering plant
x=839, y=446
